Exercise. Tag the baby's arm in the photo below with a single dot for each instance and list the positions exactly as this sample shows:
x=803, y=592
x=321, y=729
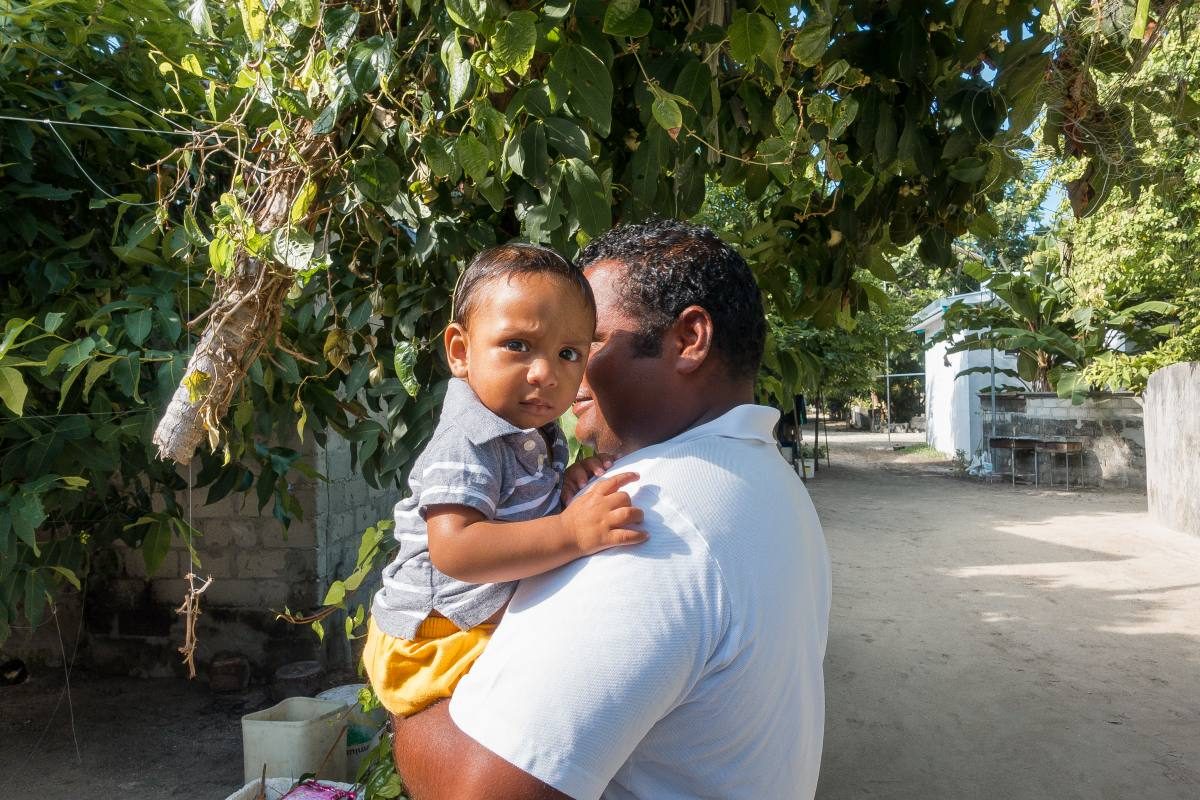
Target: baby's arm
x=465, y=545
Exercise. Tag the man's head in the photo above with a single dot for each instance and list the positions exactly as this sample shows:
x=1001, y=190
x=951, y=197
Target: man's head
x=680, y=330
x=523, y=321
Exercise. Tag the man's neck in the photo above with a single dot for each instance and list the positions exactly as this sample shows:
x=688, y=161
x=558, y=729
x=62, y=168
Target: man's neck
x=711, y=402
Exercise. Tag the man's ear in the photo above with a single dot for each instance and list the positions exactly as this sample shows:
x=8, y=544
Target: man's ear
x=692, y=333
x=456, y=341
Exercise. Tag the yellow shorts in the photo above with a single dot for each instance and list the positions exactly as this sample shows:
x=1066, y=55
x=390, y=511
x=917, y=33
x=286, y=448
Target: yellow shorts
x=409, y=675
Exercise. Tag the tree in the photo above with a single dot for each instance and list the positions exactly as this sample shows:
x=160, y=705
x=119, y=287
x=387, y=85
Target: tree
x=1037, y=314
x=342, y=162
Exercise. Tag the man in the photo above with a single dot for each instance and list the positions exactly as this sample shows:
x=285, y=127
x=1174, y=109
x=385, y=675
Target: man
x=690, y=665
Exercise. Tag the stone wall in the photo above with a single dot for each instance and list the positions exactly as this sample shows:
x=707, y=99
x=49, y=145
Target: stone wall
x=130, y=625
x=1108, y=424
x=345, y=506
x=1173, y=446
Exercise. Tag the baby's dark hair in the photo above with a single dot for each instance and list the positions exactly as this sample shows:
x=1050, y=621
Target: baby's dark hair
x=515, y=258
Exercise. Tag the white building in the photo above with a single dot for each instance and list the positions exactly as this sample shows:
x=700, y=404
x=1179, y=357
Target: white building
x=954, y=414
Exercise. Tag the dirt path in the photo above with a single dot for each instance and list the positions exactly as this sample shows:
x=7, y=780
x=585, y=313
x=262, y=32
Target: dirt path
x=988, y=642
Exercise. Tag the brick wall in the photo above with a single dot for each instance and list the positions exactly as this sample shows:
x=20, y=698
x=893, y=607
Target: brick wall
x=1109, y=425
x=258, y=568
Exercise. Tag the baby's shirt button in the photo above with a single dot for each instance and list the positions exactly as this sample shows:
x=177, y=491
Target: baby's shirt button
x=529, y=445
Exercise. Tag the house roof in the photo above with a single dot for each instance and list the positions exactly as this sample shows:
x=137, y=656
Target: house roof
x=936, y=309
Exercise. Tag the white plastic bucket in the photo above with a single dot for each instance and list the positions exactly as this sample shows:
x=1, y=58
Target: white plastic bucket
x=810, y=468
x=279, y=787
x=293, y=737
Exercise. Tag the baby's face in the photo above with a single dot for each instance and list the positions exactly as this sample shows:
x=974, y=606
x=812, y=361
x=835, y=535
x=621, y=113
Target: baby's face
x=525, y=347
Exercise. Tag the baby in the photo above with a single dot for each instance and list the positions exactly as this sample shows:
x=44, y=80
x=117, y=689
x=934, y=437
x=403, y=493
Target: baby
x=487, y=493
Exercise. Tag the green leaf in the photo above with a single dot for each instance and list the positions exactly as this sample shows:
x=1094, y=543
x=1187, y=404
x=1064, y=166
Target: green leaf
x=293, y=247
x=968, y=170
x=378, y=178
x=534, y=160
x=53, y=320
x=13, y=390
x=335, y=595
x=12, y=329
x=1140, y=17
x=339, y=25
x=843, y=115
x=811, y=42
x=27, y=513
x=475, y=15
x=667, y=114
x=458, y=68
x=96, y=370
x=70, y=576
x=590, y=202
x=627, y=18
x=567, y=138
x=473, y=156
x=368, y=63
x=514, y=41
x=155, y=545
x=137, y=325
x=308, y=12
x=303, y=202
x=590, y=84
x=441, y=163
x=221, y=254
x=754, y=36
x=197, y=16
x=254, y=19
x=405, y=364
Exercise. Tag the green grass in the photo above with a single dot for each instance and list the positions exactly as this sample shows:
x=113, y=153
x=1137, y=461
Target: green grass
x=924, y=451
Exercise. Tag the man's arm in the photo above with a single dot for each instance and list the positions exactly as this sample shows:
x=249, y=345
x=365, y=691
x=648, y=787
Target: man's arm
x=437, y=761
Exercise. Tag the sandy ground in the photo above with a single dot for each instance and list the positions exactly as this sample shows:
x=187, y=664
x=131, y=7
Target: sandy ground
x=991, y=642
x=986, y=642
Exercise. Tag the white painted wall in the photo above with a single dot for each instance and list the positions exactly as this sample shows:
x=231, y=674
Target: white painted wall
x=952, y=406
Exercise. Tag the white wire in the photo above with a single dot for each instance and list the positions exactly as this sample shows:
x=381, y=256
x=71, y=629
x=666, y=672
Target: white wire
x=99, y=188
x=98, y=126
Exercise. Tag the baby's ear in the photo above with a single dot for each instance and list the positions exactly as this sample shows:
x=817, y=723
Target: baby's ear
x=456, y=341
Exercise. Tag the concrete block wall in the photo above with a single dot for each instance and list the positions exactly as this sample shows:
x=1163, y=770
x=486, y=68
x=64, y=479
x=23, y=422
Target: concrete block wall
x=1173, y=446
x=258, y=570
x=1110, y=427
x=346, y=505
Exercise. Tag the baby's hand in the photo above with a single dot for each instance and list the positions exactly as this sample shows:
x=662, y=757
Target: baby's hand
x=582, y=471
x=600, y=519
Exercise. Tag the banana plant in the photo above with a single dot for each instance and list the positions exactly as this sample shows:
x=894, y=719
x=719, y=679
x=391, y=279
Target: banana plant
x=1037, y=315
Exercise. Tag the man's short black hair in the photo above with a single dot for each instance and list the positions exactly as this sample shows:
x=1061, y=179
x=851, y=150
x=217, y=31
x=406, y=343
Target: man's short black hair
x=514, y=258
x=671, y=265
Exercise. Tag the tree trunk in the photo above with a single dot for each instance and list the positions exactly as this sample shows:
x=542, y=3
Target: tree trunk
x=244, y=315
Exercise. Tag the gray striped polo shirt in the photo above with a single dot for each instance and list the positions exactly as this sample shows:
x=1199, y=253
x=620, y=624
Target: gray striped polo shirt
x=474, y=459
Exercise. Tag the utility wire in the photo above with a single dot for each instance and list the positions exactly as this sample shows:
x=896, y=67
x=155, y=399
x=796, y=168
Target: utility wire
x=83, y=74
x=35, y=121
x=91, y=180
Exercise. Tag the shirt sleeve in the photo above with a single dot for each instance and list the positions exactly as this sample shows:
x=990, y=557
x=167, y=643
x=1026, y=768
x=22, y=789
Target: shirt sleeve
x=591, y=656
x=457, y=471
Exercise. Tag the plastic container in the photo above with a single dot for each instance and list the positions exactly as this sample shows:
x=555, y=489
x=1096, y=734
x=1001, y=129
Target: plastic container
x=279, y=787
x=293, y=737
x=810, y=468
x=365, y=728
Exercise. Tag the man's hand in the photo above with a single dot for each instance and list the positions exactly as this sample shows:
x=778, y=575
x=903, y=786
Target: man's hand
x=582, y=471
x=601, y=518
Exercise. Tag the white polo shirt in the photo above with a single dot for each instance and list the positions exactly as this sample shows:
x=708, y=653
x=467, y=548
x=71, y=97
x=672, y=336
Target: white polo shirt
x=687, y=666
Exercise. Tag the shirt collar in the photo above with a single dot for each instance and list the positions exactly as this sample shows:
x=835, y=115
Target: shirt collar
x=747, y=421
x=480, y=424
